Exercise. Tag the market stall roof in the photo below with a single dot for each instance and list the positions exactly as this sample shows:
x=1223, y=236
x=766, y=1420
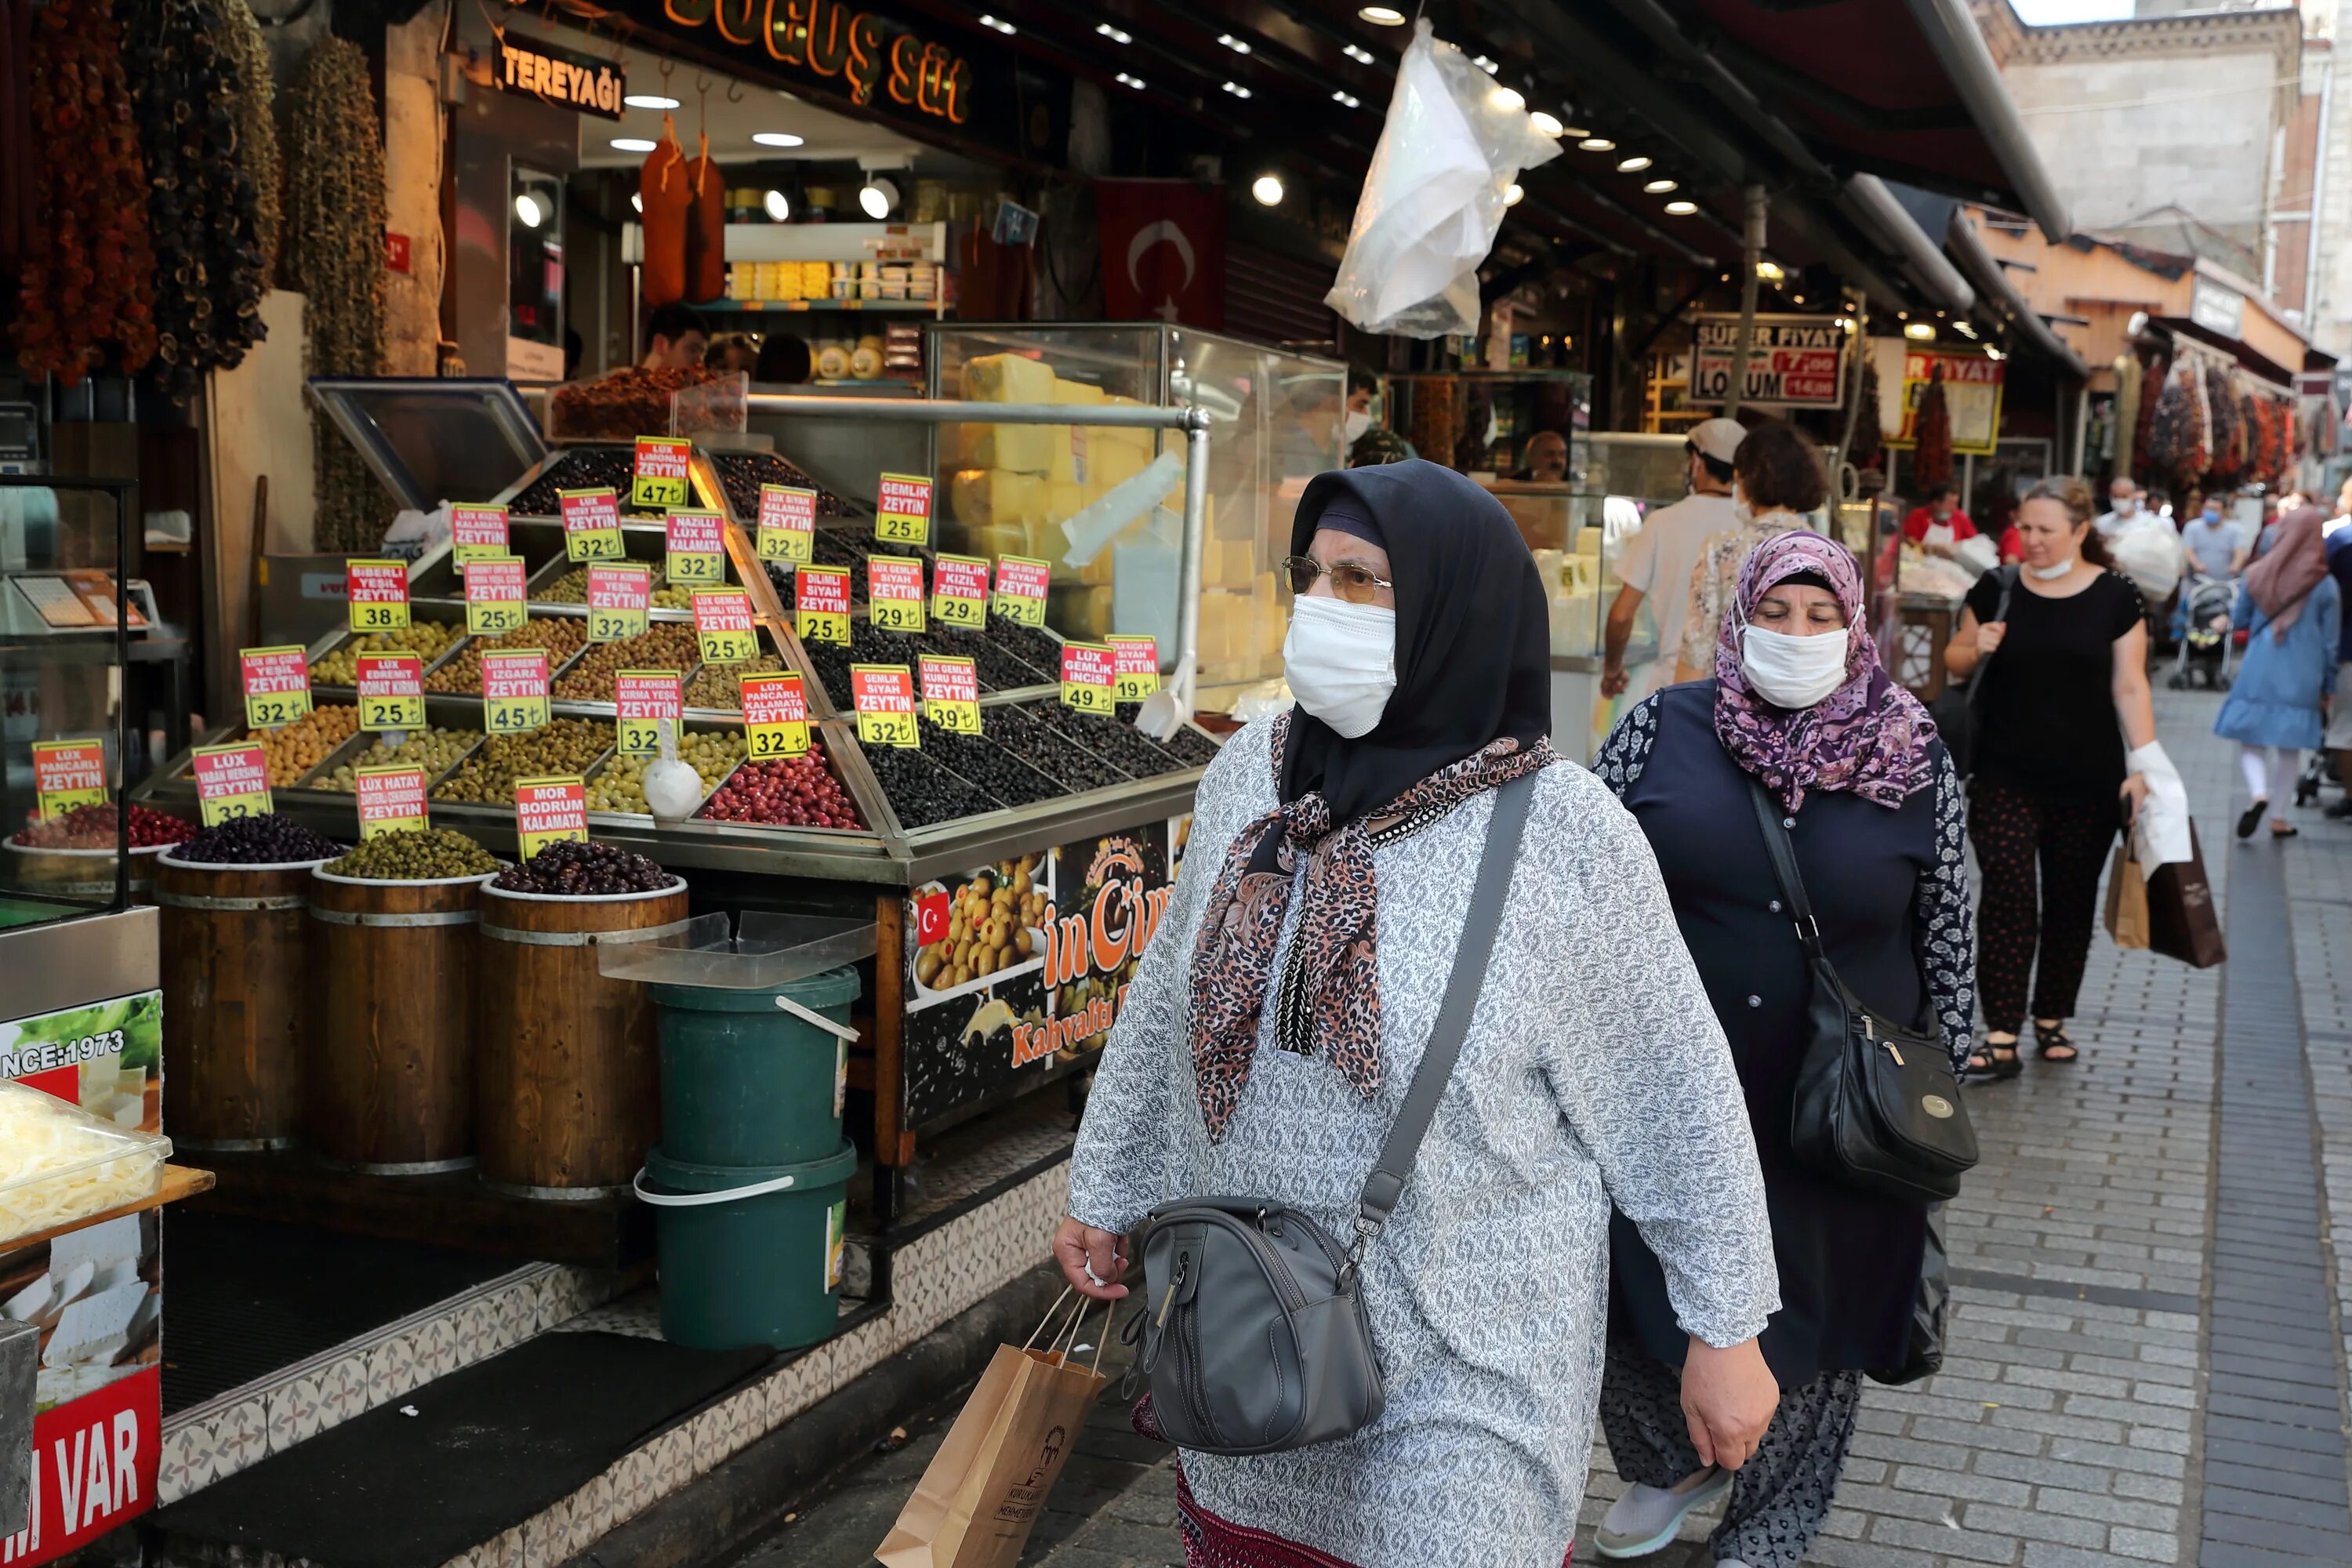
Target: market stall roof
x=2001, y=296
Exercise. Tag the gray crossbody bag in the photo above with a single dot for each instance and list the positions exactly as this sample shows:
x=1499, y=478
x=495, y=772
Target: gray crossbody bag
x=1255, y=1338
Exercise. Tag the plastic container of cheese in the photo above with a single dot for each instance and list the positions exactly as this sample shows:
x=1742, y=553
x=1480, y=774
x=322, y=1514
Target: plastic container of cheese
x=58, y=1163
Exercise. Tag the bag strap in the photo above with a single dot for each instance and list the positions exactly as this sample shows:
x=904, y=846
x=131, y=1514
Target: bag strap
x=1783, y=854
x=1504, y=831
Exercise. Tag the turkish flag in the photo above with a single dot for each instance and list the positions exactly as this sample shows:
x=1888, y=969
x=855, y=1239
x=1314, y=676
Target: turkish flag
x=1163, y=250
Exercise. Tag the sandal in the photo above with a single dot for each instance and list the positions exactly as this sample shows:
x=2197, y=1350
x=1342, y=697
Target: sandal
x=2289, y=831
x=1991, y=1063
x=2251, y=819
x=2052, y=1044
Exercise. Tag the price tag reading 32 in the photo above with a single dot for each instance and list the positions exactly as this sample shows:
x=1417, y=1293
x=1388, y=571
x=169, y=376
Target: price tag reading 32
x=391, y=800
x=514, y=689
x=642, y=699
x=391, y=692
x=476, y=532
x=697, y=548
x=902, y=511
x=960, y=591
x=495, y=586
x=820, y=604
x=592, y=524
x=951, y=694
x=775, y=716
x=1021, y=585
x=885, y=694
x=67, y=774
x=618, y=600
x=1139, y=666
x=723, y=624
x=787, y=524
x=231, y=782
x=660, y=478
x=894, y=593
x=378, y=594
x=1090, y=677
x=277, y=686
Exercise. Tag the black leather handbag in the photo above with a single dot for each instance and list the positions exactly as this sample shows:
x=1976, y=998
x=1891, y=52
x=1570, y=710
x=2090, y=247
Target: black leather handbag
x=1877, y=1104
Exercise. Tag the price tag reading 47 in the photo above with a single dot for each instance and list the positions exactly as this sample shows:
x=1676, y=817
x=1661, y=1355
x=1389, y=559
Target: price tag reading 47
x=697, y=548
x=885, y=694
x=1021, y=585
x=514, y=689
x=231, y=782
x=820, y=604
x=775, y=716
x=723, y=624
x=391, y=692
x=549, y=810
x=902, y=511
x=277, y=686
x=1090, y=677
x=787, y=524
x=1139, y=666
x=894, y=593
x=592, y=524
x=618, y=600
x=391, y=800
x=378, y=592
x=642, y=699
x=960, y=591
x=660, y=480
x=67, y=774
x=951, y=694
x=495, y=586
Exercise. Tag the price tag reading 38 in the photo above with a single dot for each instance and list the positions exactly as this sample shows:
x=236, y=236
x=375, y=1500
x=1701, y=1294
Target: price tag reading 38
x=1021, y=585
x=592, y=524
x=1139, y=666
x=723, y=625
x=378, y=594
x=820, y=604
x=960, y=591
x=697, y=548
x=277, y=686
x=885, y=695
x=231, y=782
x=391, y=692
x=495, y=587
x=1090, y=677
x=618, y=600
x=894, y=593
x=660, y=479
x=787, y=524
x=902, y=510
x=642, y=699
x=514, y=689
x=951, y=694
x=775, y=716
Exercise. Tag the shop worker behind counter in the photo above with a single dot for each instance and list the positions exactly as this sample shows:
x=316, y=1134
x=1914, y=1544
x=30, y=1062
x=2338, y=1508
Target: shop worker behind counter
x=675, y=337
x=1339, y=840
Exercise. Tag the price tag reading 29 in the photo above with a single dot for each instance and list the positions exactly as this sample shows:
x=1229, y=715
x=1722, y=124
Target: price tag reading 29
x=660, y=479
x=697, y=548
x=885, y=694
x=820, y=604
x=495, y=586
x=592, y=524
x=960, y=591
x=514, y=689
x=787, y=524
x=894, y=593
x=618, y=599
x=902, y=511
x=277, y=686
x=775, y=716
x=951, y=694
x=723, y=624
x=391, y=692
x=1090, y=677
x=378, y=593
x=642, y=699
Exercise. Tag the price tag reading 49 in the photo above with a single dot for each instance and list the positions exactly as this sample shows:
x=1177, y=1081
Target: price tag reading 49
x=697, y=548
x=618, y=599
x=951, y=694
x=660, y=480
x=960, y=591
x=495, y=586
x=378, y=592
x=277, y=686
x=391, y=692
x=723, y=624
x=902, y=511
x=231, y=782
x=1139, y=666
x=642, y=699
x=775, y=716
x=787, y=524
x=885, y=695
x=592, y=524
x=391, y=800
x=820, y=604
x=67, y=774
x=514, y=689
x=1090, y=677
x=1021, y=586
x=549, y=810
x=894, y=593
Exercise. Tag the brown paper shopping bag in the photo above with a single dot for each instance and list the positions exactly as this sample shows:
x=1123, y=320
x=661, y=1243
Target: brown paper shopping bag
x=981, y=1495
x=2127, y=899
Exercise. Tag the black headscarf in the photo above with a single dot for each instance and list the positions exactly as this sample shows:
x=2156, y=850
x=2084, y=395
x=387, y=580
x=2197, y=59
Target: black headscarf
x=1473, y=638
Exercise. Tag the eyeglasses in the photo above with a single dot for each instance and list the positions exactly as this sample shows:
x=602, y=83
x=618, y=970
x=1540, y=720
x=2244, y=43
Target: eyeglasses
x=1349, y=581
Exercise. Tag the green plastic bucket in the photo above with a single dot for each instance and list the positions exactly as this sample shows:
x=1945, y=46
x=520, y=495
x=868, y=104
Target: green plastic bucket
x=749, y=1255
x=746, y=1081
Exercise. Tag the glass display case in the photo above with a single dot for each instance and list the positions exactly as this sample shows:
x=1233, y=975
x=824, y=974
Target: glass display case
x=1275, y=422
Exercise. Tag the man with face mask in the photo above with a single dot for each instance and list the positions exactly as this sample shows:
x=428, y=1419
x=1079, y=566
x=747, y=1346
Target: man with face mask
x=2123, y=507
x=2213, y=544
x=1657, y=561
x=1359, y=415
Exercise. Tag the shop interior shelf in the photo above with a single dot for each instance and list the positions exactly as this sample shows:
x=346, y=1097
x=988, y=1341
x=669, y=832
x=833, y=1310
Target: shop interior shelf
x=178, y=1181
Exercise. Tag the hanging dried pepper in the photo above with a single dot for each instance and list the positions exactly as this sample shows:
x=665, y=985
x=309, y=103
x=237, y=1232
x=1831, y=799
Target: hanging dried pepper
x=1931, y=434
x=2227, y=447
x=88, y=282
x=254, y=103
x=2151, y=392
x=1869, y=441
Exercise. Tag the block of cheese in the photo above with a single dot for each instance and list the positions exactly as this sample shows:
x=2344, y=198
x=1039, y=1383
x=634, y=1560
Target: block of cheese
x=1008, y=378
x=1081, y=612
x=1023, y=448
x=1062, y=499
x=996, y=498
x=1110, y=463
x=1069, y=440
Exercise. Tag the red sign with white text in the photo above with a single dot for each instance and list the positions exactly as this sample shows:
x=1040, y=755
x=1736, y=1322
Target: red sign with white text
x=94, y=1462
x=476, y=531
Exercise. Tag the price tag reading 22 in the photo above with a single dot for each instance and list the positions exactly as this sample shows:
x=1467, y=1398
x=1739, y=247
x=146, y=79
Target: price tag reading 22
x=820, y=604
x=723, y=624
x=392, y=691
x=775, y=716
x=894, y=593
x=1021, y=585
x=885, y=695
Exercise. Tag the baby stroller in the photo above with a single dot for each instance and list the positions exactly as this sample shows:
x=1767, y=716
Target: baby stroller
x=2204, y=647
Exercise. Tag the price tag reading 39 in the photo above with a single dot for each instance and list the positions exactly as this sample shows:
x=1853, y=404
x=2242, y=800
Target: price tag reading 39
x=378, y=593
x=820, y=604
x=514, y=689
x=951, y=694
x=1090, y=677
x=723, y=625
x=894, y=593
x=495, y=587
x=775, y=716
x=787, y=524
x=618, y=600
x=902, y=510
x=1021, y=584
x=697, y=548
x=231, y=782
x=391, y=800
x=592, y=524
x=1139, y=666
x=960, y=591
x=642, y=699
x=391, y=692
x=885, y=695
x=660, y=478
x=277, y=686
x=476, y=532
x=67, y=774
x=549, y=810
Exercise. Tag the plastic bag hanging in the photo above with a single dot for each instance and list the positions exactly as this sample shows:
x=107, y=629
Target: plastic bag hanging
x=1454, y=142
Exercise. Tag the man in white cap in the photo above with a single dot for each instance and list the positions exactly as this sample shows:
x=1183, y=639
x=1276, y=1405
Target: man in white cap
x=1657, y=563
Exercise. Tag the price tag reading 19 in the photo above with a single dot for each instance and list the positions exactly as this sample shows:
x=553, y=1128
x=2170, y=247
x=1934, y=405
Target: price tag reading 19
x=820, y=604
x=902, y=511
x=618, y=600
x=660, y=479
x=476, y=532
x=885, y=694
x=514, y=689
x=1021, y=585
x=642, y=699
x=723, y=625
x=592, y=524
x=1139, y=666
x=231, y=782
x=277, y=686
x=1090, y=677
x=495, y=586
x=894, y=593
x=697, y=548
x=960, y=591
x=550, y=810
x=378, y=593
x=391, y=800
x=787, y=524
x=951, y=694
x=775, y=716
x=67, y=774
x=391, y=692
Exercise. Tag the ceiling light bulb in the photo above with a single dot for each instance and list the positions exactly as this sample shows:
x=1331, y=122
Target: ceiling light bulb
x=1237, y=89
x=527, y=209
x=1632, y=165
x=1512, y=193
x=1116, y=35
x=1267, y=189
x=779, y=205
x=877, y=199
x=777, y=139
x=1485, y=64
x=631, y=144
x=1134, y=81
x=1919, y=331
x=1381, y=16
x=649, y=100
x=1343, y=97
x=1964, y=329
x=1001, y=26
x=1770, y=271
x=1362, y=56
x=1682, y=209
x=1659, y=187
x=1598, y=144
x=1544, y=125
x=1509, y=99
x=1236, y=45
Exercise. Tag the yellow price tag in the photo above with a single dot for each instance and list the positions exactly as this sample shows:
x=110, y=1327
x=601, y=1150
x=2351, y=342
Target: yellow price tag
x=1139, y=666
x=820, y=604
x=885, y=699
x=902, y=509
x=377, y=591
x=592, y=524
x=697, y=545
x=67, y=774
x=391, y=800
x=642, y=699
x=549, y=809
x=952, y=693
x=514, y=689
x=277, y=683
x=392, y=691
x=1021, y=585
x=619, y=598
x=495, y=586
x=490, y=619
x=1090, y=677
x=660, y=478
x=787, y=524
x=231, y=782
x=723, y=625
x=960, y=591
x=775, y=716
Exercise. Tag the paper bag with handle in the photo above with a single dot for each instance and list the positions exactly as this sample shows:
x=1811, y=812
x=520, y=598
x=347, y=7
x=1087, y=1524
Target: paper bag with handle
x=976, y=1502
x=2127, y=899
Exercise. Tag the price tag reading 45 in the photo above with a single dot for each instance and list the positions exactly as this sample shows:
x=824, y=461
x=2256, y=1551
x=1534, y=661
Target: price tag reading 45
x=495, y=586
x=277, y=686
x=378, y=592
x=697, y=548
x=1090, y=677
x=902, y=511
x=231, y=782
x=723, y=624
x=775, y=716
x=894, y=593
x=820, y=604
x=951, y=694
x=960, y=591
x=618, y=598
x=642, y=699
x=660, y=480
x=1021, y=585
x=885, y=694
x=391, y=800
x=514, y=689
x=592, y=524
x=549, y=810
x=787, y=524
x=391, y=692
x=1139, y=666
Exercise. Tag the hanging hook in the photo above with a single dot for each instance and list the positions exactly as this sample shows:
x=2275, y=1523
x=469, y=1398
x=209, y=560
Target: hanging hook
x=735, y=90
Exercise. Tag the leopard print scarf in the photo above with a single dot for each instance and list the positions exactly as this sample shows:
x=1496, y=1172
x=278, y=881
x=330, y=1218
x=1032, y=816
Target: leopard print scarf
x=1339, y=930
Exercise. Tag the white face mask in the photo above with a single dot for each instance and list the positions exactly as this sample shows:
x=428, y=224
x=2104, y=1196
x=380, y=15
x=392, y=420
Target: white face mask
x=2126, y=506
x=1341, y=661
x=1354, y=425
x=1791, y=671
x=2051, y=574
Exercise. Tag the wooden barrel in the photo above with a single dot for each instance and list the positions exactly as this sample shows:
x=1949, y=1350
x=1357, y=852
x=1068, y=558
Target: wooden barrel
x=81, y=873
x=240, y=985
x=391, y=1063
x=571, y=1080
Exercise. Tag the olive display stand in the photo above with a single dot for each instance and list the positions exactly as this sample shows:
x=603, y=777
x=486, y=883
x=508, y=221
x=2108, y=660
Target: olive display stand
x=570, y=1078
x=392, y=1068
x=239, y=982
x=79, y=873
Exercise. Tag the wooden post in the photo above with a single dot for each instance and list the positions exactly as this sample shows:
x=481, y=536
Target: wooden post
x=892, y=1144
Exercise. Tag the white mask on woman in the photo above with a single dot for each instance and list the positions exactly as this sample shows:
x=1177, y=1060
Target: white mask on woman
x=2051, y=574
x=1341, y=661
x=1791, y=671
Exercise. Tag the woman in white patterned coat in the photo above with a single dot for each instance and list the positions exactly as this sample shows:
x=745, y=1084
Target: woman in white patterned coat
x=1276, y=1021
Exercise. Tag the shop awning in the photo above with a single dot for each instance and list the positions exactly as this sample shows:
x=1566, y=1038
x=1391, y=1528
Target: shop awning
x=1901, y=234
x=2001, y=296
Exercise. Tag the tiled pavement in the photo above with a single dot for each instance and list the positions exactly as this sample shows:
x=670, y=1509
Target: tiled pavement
x=2147, y=1343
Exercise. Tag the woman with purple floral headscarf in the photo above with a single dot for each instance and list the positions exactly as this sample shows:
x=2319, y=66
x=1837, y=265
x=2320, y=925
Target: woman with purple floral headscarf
x=1799, y=706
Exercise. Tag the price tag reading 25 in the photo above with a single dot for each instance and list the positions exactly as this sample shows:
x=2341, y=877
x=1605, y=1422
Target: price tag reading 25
x=894, y=593
x=820, y=604
x=902, y=510
x=392, y=691
x=885, y=694
x=642, y=699
x=723, y=624
x=495, y=586
x=775, y=716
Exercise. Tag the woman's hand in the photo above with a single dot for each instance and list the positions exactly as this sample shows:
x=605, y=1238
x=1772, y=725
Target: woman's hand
x=1989, y=637
x=2134, y=794
x=1728, y=1397
x=1080, y=1249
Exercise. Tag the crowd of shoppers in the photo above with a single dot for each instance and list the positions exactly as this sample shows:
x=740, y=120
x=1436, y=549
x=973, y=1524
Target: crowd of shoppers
x=1776, y=478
